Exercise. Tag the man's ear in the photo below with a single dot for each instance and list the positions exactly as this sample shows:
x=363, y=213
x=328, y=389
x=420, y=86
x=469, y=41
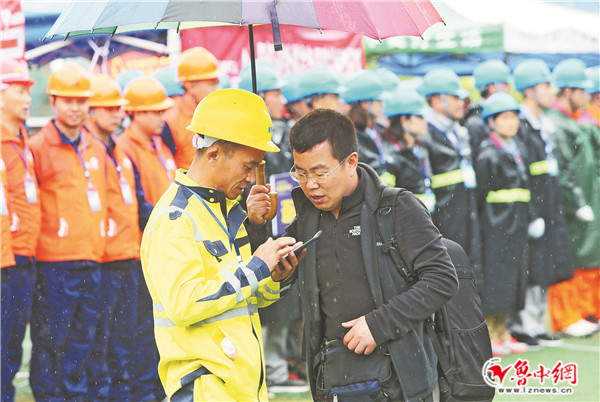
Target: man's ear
x=352, y=160
x=213, y=152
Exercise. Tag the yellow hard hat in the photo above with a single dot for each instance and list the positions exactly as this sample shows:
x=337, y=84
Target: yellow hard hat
x=71, y=81
x=197, y=64
x=107, y=93
x=236, y=116
x=146, y=94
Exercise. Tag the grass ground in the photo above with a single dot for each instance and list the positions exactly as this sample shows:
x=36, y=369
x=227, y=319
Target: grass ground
x=584, y=352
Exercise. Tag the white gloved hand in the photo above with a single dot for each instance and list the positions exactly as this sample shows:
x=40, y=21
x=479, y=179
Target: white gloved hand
x=537, y=228
x=585, y=214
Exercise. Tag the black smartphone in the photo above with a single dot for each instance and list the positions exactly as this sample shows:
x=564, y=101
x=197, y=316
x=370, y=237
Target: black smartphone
x=307, y=243
x=303, y=246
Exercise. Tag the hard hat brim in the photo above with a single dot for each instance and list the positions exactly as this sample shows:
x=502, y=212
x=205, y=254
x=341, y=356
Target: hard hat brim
x=157, y=107
x=71, y=94
x=199, y=77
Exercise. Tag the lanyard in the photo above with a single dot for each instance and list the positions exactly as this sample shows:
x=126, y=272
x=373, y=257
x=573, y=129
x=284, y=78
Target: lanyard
x=161, y=157
x=81, y=154
x=453, y=139
x=417, y=151
x=548, y=148
x=22, y=156
x=513, y=150
x=374, y=135
x=229, y=235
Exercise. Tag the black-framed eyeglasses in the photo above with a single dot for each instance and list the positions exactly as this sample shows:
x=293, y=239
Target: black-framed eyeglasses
x=314, y=177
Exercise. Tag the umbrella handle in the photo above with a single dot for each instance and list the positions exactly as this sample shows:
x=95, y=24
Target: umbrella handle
x=261, y=181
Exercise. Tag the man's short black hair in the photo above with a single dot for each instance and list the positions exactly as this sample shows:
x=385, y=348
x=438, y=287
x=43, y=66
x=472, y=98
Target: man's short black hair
x=324, y=125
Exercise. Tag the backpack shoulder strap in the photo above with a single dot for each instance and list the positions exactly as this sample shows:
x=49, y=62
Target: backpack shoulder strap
x=387, y=230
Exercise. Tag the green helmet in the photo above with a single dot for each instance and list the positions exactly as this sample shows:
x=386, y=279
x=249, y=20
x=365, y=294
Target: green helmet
x=405, y=101
x=168, y=77
x=266, y=77
x=442, y=81
x=490, y=72
x=389, y=79
x=498, y=103
x=530, y=72
x=570, y=73
x=291, y=88
x=593, y=74
x=364, y=85
x=319, y=80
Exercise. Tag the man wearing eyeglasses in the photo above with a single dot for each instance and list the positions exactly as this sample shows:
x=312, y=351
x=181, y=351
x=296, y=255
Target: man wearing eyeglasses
x=346, y=335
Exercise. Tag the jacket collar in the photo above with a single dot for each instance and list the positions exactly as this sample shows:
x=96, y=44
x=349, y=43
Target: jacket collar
x=8, y=136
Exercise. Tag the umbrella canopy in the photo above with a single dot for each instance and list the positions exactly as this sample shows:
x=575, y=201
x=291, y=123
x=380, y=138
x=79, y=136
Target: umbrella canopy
x=376, y=19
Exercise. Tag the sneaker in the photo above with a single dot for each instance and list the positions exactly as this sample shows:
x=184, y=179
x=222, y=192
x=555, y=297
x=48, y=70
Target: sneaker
x=549, y=340
x=499, y=349
x=514, y=346
x=580, y=329
x=531, y=342
x=290, y=386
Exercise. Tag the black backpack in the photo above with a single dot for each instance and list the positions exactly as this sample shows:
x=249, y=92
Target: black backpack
x=458, y=331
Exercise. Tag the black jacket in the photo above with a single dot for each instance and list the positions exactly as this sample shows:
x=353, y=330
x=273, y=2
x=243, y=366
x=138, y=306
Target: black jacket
x=398, y=320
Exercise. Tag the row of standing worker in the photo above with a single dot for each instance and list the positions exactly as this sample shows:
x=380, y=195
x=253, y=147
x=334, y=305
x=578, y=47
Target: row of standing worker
x=516, y=185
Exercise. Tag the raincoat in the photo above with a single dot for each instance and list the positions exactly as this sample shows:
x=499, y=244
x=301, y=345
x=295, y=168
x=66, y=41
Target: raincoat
x=550, y=258
x=456, y=209
x=205, y=291
x=503, y=199
x=411, y=170
x=578, y=152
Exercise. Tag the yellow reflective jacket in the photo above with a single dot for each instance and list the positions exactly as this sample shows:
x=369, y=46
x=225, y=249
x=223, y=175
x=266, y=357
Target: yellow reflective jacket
x=204, y=299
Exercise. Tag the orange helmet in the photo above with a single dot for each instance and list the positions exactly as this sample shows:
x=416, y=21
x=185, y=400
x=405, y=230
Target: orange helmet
x=71, y=81
x=107, y=92
x=197, y=64
x=146, y=94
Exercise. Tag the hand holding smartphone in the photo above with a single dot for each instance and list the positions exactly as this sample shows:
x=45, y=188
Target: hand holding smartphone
x=298, y=251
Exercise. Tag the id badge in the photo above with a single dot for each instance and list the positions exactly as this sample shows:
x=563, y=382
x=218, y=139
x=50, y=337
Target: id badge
x=94, y=199
x=552, y=166
x=468, y=174
x=30, y=190
x=3, y=205
x=126, y=191
x=430, y=200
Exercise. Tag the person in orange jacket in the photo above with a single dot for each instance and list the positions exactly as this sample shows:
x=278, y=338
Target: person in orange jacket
x=153, y=161
x=21, y=227
x=111, y=362
x=70, y=165
x=199, y=76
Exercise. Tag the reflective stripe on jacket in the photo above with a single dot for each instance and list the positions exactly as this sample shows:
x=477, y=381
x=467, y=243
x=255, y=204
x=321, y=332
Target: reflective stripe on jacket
x=69, y=230
x=204, y=299
x=25, y=217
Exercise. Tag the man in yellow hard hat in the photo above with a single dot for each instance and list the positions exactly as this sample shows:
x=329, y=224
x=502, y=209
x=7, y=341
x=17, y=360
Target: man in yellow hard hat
x=198, y=75
x=198, y=264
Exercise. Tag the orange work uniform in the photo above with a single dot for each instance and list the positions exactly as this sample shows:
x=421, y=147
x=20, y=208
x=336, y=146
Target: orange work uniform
x=153, y=160
x=6, y=255
x=23, y=192
x=565, y=302
x=122, y=232
x=178, y=118
x=73, y=196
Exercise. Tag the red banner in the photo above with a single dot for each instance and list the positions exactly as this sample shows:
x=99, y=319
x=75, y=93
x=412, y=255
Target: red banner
x=303, y=48
x=12, y=29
